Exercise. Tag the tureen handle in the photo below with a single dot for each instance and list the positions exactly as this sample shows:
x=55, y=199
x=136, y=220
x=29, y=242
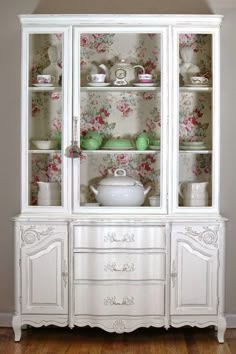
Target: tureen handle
x=93, y=189
x=119, y=172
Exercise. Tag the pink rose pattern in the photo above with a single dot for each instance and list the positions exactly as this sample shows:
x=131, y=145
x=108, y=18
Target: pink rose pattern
x=40, y=58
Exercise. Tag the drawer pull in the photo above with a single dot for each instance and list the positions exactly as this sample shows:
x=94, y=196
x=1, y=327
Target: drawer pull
x=112, y=237
x=112, y=301
x=112, y=267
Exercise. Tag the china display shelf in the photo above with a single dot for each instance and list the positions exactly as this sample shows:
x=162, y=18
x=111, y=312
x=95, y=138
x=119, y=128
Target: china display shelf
x=48, y=88
x=120, y=88
x=48, y=151
x=131, y=151
x=195, y=88
x=195, y=151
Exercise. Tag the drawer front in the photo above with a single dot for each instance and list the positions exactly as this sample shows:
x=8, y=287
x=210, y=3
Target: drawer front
x=130, y=266
x=119, y=299
x=119, y=237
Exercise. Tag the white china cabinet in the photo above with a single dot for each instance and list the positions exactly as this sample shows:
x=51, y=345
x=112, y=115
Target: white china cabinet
x=112, y=106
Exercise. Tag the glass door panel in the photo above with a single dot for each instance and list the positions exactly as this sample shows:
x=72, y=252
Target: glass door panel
x=124, y=111
x=195, y=120
x=45, y=119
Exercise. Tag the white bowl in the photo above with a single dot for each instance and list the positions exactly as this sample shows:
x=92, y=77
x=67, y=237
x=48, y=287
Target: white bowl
x=45, y=144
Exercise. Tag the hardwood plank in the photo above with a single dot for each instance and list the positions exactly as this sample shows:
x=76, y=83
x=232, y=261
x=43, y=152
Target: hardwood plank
x=52, y=340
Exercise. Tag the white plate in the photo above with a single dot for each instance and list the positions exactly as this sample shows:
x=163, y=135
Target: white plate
x=90, y=204
x=43, y=85
x=192, y=143
x=148, y=84
x=117, y=148
x=154, y=147
x=98, y=84
x=202, y=147
x=197, y=85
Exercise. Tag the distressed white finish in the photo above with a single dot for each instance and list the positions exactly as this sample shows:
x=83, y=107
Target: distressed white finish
x=121, y=268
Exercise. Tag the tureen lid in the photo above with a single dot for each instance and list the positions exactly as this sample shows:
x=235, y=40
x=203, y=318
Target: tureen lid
x=120, y=179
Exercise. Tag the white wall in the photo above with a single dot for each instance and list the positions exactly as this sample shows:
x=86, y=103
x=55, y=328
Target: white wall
x=10, y=115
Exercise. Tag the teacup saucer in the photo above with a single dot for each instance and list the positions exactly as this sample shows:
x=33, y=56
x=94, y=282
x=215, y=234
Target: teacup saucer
x=97, y=84
x=142, y=84
x=43, y=85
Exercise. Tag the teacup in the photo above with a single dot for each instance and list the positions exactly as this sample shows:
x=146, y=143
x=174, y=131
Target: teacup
x=96, y=78
x=155, y=142
x=199, y=80
x=90, y=144
x=145, y=78
x=45, y=79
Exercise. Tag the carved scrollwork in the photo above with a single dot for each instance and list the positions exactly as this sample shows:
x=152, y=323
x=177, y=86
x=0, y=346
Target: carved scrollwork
x=208, y=236
x=30, y=235
x=125, y=301
x=119, y=325
x=112, y=267
x=112, y=237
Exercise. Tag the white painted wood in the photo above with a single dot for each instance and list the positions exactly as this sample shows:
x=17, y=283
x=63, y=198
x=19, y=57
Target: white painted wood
x=102, y=299
x=127, y=267
x=194, y=274
x=124, y=237
x=119, y=266
x=44, y=272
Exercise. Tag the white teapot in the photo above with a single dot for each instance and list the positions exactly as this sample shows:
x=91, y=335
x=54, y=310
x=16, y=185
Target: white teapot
x=121, y=73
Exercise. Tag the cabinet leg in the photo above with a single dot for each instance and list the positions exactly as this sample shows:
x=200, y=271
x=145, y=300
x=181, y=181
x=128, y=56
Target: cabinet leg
x=16, y=325
x=221, y=329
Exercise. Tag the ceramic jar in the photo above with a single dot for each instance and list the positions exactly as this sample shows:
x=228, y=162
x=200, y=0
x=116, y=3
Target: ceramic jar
x=194, y=194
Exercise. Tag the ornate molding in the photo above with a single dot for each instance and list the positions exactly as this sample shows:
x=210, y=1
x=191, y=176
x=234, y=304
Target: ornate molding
x=112, y=237
x=209, y=235
x=125, y=301
x=112, y=267
x=30, y=235
x=119, y=325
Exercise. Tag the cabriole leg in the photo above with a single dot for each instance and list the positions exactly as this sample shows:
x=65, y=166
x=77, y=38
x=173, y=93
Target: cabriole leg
x=16, y=325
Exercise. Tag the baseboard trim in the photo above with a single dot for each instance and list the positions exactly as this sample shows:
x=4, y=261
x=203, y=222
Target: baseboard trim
x=231, y=320
x=6, y=320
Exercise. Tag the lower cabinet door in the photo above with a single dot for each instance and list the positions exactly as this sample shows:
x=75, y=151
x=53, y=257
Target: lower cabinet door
x=194, y=274
x=44, y=270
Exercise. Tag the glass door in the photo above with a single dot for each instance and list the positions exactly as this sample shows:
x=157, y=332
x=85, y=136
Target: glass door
x=196, y=121
x=45, y=87
x=120, y=99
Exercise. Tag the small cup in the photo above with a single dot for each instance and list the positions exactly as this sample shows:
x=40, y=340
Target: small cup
x=96, y=78
x=154, y=201
x=145, y=78
x=45, y=79
x=199, y=80
x=155, y=142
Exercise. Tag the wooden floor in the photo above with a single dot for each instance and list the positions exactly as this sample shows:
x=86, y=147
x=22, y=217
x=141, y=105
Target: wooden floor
x=95, y=341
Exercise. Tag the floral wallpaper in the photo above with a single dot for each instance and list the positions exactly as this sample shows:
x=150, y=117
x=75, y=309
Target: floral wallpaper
x=195, y=117
x=44, y=168
x=110, y=48
x=202, y=47
x=38, y=59
x=123, y=113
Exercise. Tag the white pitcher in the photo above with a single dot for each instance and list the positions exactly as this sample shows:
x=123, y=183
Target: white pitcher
x=49, y=193
x=194, y=194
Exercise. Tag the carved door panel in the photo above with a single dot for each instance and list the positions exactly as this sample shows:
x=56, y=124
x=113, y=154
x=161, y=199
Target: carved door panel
x=44, y=269
x=194, y=273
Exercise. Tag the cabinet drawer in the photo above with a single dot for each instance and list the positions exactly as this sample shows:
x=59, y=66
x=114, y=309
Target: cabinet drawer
x=127, y=266
x=119, y=237
x=119, y=299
